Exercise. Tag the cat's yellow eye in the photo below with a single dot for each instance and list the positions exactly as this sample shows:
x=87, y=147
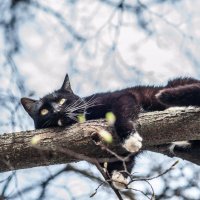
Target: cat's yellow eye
x=61, y=101
x=44, y=111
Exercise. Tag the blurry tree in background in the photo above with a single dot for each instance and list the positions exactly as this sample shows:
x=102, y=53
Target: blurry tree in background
x=101, y=44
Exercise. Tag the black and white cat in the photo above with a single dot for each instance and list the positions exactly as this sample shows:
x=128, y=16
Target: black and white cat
x=62, y=107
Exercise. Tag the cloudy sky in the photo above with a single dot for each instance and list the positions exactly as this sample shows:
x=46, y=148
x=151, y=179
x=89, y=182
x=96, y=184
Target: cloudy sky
x=44, y=59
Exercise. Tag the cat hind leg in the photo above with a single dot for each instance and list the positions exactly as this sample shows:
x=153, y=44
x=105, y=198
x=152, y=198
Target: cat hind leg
x=119, y=181
x=119, y=172
x=187, y=95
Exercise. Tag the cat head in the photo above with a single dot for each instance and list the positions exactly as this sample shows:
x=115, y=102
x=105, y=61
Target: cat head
x=60, y=108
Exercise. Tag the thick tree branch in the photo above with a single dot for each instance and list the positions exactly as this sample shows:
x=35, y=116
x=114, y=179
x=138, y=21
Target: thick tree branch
x=55, y=146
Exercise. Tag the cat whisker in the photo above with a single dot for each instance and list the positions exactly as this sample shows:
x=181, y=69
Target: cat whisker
x=79, y=107
x=76, y=103
x=83, y=106
x=76, y=108
x=71, y=114
x=92, y=104
x=72, y=109
x=73, y=118
x=92, y=101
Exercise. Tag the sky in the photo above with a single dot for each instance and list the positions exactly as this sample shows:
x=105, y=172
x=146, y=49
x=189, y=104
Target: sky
x=159, y=57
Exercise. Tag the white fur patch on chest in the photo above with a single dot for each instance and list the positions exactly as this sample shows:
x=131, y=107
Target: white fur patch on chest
x=133, y=143
x=118, y=180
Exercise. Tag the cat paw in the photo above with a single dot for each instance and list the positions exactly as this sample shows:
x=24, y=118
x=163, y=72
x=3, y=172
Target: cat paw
x=133, y=143
x=181, y=145
x=119, y=181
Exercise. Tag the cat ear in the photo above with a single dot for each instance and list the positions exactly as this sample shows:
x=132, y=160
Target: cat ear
x=66, y=84
x=28, y=105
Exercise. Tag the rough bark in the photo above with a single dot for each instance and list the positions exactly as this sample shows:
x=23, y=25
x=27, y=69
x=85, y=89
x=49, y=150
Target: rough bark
x=57, y=145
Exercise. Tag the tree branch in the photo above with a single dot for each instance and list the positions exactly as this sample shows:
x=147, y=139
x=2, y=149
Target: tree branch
x=64, y=145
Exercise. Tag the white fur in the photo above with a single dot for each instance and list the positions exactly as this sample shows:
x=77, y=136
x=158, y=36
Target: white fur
x=177, y=108
x=159, y=94
x=59, y=123
x=133, y=143
x=119, y=181
x=183, y=144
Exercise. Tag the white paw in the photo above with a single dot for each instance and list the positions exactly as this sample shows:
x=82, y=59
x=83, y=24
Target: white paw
x=118, y=180
x=182, y=144
x=133, y=143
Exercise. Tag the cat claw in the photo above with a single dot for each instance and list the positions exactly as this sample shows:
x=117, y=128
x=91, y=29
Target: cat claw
x=133, y=143
x=119, y=181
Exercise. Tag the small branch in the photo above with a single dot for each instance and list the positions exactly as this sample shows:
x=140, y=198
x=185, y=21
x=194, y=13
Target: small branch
x=157, y=129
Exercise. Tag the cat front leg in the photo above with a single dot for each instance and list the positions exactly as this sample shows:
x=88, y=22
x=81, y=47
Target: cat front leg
x=126, y=110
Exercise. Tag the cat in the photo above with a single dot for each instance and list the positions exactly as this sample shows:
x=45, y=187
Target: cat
x=62, y=107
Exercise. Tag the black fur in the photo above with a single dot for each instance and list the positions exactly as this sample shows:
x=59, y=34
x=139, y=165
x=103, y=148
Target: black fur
x=126, y=104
